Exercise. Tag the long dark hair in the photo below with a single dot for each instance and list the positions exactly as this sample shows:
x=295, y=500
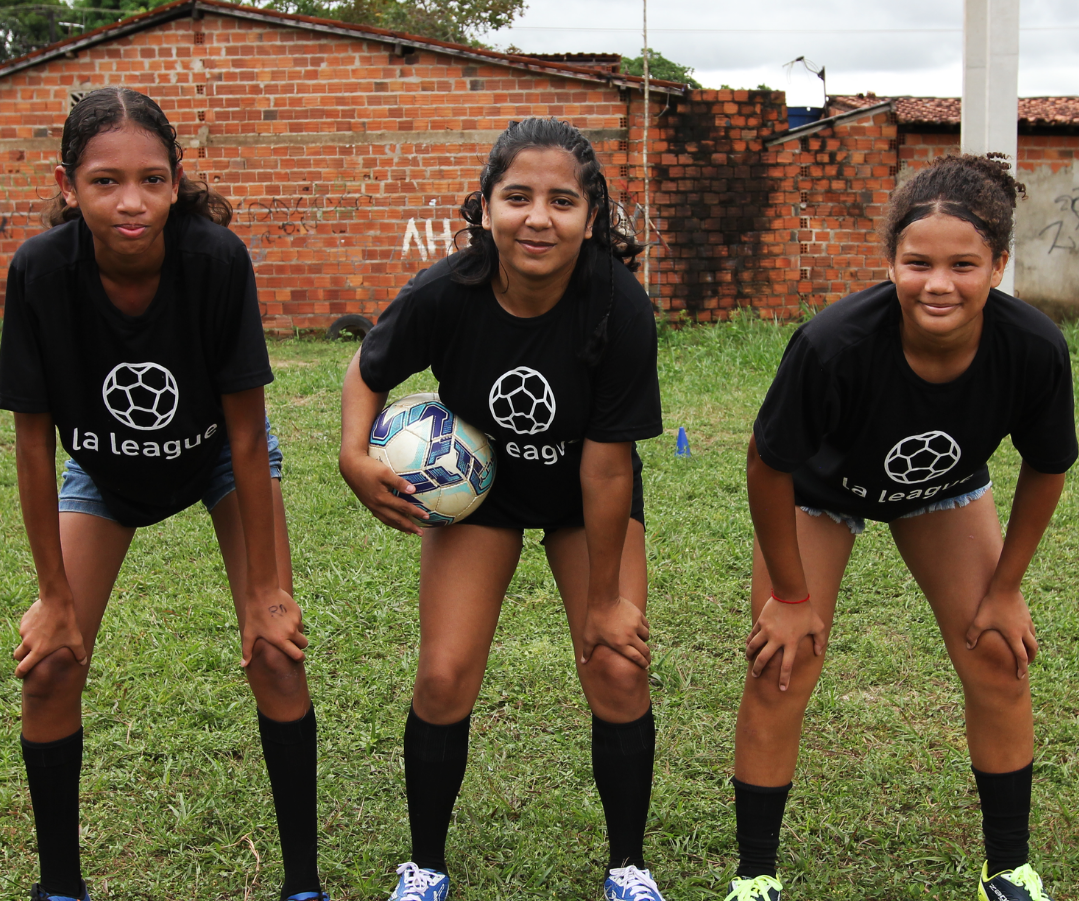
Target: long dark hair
x=978, y=189
x=478, y=262
x=107, y=109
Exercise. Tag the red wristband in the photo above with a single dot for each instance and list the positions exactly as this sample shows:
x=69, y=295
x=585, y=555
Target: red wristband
x=802, y=601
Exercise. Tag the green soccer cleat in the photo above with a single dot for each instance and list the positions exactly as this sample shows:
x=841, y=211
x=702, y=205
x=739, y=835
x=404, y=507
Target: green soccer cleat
x=759, y=888
x=1020, y=884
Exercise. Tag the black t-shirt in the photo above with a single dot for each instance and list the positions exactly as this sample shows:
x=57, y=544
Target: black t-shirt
x=520, y=381
x=136, y=399
x=864, y=435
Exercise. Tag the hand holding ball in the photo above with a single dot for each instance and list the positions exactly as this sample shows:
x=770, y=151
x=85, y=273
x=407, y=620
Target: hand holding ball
x=450, y=463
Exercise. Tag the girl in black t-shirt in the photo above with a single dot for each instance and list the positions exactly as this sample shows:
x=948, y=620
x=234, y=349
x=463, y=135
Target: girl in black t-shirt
x=887, y=406
x=132, y=328
x=535, y=304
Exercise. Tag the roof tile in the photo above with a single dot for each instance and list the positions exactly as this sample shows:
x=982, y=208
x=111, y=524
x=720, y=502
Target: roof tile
x=945, y=110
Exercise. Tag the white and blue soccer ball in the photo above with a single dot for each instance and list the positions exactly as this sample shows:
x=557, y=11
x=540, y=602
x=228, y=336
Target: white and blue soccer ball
x=451, y=463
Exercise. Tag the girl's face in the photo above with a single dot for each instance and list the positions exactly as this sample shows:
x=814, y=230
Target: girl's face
x=943, y=270
x=124, y=188
x=538, y=214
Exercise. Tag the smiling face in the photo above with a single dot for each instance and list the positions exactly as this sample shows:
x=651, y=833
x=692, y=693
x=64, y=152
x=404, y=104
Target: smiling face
x=943, y=271
x=124, y=188
x=539, y=216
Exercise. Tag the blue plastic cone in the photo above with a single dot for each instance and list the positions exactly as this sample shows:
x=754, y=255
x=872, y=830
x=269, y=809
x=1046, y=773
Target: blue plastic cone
x=683, y=443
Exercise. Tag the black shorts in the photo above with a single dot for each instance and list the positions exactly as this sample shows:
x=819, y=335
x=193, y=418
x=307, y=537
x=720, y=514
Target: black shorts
x=574, y=519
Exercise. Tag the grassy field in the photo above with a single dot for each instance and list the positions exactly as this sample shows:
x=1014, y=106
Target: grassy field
x=176, y=803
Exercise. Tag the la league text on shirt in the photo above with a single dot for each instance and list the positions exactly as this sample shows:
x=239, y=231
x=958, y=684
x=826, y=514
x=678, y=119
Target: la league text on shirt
x=170, y=450
x=905, y=495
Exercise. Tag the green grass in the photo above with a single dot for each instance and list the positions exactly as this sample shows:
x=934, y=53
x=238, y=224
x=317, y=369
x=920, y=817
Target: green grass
x=176, y=804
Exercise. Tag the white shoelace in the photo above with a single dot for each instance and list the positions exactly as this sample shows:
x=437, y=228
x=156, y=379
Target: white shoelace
x=417, y=881
x=638, y=883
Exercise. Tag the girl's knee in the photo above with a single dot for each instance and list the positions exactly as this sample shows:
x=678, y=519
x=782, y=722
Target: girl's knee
x=613, y=676
x=764, y=689
x=271, y=665
x=991, y=668
x=444, y=688
x=58, y=674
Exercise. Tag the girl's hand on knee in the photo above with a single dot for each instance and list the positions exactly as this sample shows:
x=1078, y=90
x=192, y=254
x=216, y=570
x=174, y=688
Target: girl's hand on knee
x=274, y=617
x=619, y=626
x=780, y=629
x=1006, y=612
x=45, y=628
x=374, y=483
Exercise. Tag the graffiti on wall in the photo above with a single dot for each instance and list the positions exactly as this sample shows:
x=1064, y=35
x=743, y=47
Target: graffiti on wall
x=285, y=217
x=1064, y=231
x=1047, y=236
x=427, y=245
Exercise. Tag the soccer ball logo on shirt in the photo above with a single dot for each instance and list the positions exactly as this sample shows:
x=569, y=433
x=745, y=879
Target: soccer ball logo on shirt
x=143, y=396
x=522, y=400
x=919, y=458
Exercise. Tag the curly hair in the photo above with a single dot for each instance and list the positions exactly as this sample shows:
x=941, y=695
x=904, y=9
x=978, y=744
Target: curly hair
x=108, y=109
x=611, y=238
x=978, y=189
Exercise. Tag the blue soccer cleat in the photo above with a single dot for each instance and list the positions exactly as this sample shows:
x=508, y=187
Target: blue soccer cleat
x=420, y=885
x=630, y=884
x=37, y=893
x=1020, y=884
x=309, y=896
x=759, y=888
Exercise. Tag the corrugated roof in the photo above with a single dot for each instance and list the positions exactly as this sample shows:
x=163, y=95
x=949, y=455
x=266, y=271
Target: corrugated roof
x=196, y=8
x=946, y=110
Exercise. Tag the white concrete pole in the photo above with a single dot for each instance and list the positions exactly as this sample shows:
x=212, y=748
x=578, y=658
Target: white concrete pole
x=990, y=113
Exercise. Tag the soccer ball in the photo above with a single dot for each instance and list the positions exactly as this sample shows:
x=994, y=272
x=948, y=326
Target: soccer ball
x=451, y=463
x=141, y=395
x=920, y=458
x=522, y=400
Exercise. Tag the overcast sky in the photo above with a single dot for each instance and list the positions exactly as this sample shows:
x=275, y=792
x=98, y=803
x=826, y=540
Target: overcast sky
x=913, y=47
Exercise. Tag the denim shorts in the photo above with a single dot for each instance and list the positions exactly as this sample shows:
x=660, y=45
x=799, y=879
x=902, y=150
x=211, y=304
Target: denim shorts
x=856, y=524
x=79, y=494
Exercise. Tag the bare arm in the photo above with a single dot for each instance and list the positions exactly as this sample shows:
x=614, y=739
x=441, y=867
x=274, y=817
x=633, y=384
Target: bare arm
x=780, y=627
x=1003, y=608
x=607, y=491
x=49, y=624
x=771, y=505
x=271, y=613
x=372, y=482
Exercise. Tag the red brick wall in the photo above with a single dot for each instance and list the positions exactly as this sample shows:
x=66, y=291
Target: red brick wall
x=327, y=146
x=917, y=150
x=720, y=206
x=1057, y=151
x=843, y=175
x=346, y=164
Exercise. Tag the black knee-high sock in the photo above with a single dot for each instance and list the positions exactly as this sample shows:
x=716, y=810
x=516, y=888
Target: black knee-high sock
x=291, y=752
x=435, y=758
x=758, y=812
x=1005, y=816
x=52, y=770
x=622, y=759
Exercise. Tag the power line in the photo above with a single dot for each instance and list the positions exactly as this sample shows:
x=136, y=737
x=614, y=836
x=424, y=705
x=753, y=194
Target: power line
x=776, y=30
